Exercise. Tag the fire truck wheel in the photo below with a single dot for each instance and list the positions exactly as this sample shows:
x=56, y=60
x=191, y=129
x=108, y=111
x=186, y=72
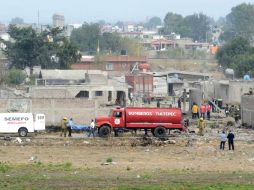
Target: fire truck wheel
x=160, y=132
x=23, y=132
x=152, y=130
x=104, y=131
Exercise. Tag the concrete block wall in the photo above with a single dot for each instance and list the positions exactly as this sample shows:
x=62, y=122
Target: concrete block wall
x=247, y=110
x=237, y=89
x=81, y=110
x=52, y=93
x=232, y=91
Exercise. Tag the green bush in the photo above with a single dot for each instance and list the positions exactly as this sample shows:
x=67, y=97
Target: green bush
x=15, y=76
x=4, y=167
x=109, y=160
x=67, y=166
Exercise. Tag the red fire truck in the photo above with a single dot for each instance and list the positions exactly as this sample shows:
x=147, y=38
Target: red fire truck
x=158, y=120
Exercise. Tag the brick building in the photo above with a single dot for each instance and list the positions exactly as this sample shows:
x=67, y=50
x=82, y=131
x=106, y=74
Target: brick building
x=114, y=64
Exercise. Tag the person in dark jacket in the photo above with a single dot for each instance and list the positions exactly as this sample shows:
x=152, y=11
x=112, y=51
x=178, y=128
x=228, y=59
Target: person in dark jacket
x=179, y=102
x=231, y=137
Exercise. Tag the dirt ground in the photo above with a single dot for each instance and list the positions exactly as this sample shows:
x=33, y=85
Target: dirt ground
x=187, y=151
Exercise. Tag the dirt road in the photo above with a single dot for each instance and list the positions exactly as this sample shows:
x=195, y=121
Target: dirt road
x=188, y=152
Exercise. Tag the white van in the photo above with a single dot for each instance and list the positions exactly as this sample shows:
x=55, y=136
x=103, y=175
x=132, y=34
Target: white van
x=21, y=123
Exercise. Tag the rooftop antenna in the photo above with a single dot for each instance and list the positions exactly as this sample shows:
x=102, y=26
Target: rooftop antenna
x=38, y=19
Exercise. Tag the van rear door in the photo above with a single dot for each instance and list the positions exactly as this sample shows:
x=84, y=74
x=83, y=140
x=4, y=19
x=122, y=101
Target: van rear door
x=39, y=122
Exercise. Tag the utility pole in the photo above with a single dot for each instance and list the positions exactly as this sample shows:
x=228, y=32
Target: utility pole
x=38, y=19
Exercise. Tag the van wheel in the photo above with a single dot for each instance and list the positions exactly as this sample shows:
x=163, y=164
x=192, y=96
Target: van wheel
x=23, y=132
x=104, y=131
x=160, y=132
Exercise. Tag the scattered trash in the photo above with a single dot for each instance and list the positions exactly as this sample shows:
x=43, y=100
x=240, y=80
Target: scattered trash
x=146, y=141
x=108, y=163
x=105, y=163
x=170, y=142
x=28, y=140
x=33, y=158
x=7, y=138
x=138, y=176
x=86, y=142
x=251, y=159
x=18, y=140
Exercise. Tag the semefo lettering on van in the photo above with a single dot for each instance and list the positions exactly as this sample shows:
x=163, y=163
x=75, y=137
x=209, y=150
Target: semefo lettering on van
x=16, y=118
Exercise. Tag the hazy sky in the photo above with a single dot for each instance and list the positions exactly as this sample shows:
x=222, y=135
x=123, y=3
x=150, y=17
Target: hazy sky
x=78, y=11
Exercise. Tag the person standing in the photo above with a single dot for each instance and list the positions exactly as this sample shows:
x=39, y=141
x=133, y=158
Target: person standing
x=213, y=105
x=208, y=111
x=202, y=111
x=92, y=128
x=223, y=138
x=231, y=137
x=194, y=111
x=201, y=126
x=236, y=114
x=226, y=110
x=69, y=127
x=179, y=102
x=158, y=104
x=64, y=126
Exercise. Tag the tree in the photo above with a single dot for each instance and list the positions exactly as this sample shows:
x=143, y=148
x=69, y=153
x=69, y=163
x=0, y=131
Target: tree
x=67, y=53
x=22, y=50
x=120, y=24
x=238, y=55
x=17, y=20
x=110, y=42
x=86, y=37
x=239, y=22
x=172, y=23
x=221, y=22
x=153, y=22
x=28, y=48
x=101, y=22
x=198, y=26
x=132, y=46
x=15, y=76
x=195, y=26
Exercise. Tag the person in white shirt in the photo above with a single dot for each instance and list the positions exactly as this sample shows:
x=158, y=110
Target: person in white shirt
x=70, y=126
x=92, y=128
x=223, y=138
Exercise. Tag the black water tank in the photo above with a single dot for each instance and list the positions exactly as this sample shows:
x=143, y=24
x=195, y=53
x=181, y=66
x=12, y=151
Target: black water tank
x=123, y=52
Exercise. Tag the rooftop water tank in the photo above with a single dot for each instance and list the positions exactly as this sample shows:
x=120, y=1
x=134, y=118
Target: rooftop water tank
x=229, y=73
x=246, y=77
x=144, y=66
